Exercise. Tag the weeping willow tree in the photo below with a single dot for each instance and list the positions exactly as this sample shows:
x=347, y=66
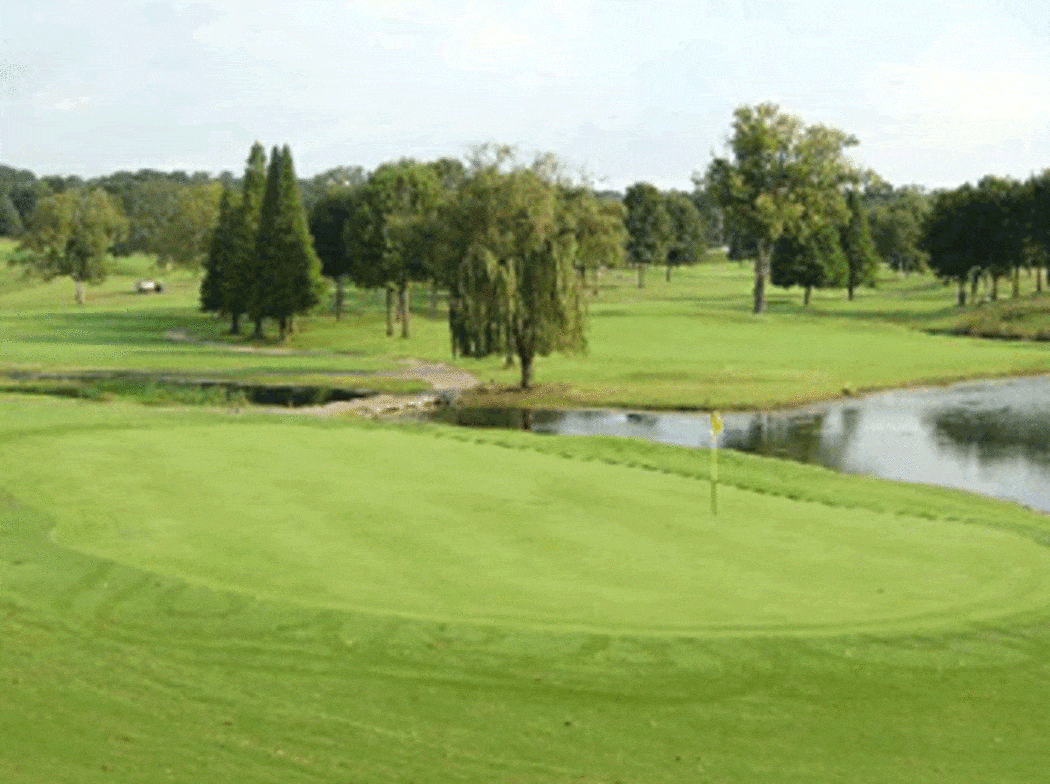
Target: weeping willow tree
x=516, y=236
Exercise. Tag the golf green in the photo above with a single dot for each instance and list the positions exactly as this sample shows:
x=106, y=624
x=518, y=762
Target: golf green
x=406, y=523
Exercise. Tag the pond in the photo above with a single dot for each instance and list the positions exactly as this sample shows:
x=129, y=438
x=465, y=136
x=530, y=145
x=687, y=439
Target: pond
x=989, y=437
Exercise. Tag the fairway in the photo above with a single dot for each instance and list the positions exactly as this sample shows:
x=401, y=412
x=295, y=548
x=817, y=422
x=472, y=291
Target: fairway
x=411, y=525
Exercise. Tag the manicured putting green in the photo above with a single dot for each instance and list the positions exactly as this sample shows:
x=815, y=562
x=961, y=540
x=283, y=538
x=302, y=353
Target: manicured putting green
x=408, y=523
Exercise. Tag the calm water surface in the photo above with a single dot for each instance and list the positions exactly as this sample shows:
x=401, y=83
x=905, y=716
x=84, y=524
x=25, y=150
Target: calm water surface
x=990, y=437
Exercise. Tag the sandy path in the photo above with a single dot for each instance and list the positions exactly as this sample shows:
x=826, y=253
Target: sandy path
x=444, y=380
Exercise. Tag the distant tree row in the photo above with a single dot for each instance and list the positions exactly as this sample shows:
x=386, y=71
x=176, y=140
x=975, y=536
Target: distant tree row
x=990, y=231
x=261, y=261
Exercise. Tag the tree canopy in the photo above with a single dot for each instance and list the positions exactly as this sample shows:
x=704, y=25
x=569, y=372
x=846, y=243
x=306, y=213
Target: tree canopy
x=862, y=260
x=812, y=261
x=896, y=216
x=649, y=227
x=688, y=231
x=71, y=234
x=516, y=236
x=781, y=176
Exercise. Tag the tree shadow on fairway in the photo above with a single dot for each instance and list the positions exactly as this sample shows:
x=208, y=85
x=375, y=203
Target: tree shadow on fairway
x=135, y=328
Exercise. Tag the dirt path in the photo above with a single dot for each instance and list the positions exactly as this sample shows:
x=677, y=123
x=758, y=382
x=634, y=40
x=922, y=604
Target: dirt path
x=444, y=380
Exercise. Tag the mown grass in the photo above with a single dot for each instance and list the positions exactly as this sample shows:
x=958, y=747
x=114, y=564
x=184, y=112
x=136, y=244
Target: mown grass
x=160, y=624
x=688, y=343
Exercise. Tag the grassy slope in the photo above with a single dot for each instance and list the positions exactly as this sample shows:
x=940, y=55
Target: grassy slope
x=691, y=343
x=123, y=673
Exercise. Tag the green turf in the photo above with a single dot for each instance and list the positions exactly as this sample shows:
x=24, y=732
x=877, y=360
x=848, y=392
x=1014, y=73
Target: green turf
x=114, y=668
x=498, y=536
x=688, y=343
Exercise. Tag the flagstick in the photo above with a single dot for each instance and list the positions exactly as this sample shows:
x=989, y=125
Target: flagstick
x=716, y=428
x=714, y=476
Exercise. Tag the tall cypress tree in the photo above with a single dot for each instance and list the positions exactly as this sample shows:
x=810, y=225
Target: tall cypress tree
x=230, y=268
x=217, y=262
x=289, y=272
x=244, y=272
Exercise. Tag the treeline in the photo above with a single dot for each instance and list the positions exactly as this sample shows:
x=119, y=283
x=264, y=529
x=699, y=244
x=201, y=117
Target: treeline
x=990, y=231
x=511, y=244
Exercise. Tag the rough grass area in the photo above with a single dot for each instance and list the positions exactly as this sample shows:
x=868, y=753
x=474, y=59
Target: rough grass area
x=1024, y=318
x=204, y=597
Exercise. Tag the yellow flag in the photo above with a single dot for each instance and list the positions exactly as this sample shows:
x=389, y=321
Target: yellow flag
x=716, y=423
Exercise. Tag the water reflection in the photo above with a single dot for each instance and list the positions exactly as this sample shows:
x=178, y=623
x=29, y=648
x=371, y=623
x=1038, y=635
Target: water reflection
x=988, y=437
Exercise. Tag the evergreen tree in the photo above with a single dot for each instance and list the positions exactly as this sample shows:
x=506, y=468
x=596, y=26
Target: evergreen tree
x=288, y=277
x=862, y=260
x=230, y=267
x=217, y=262
x=242, y=279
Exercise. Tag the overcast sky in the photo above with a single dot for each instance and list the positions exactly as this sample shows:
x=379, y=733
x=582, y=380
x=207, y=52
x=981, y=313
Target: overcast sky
x=938, y=93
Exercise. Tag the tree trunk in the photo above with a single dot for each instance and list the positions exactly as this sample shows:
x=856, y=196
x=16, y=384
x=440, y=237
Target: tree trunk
x=340, y=296
x=761, y=275
x=526, y=368
x=849, y=291
x=641, y=276
x=1039, y=280
x=995, y=288
x=389, y=312
x=668, y=278
x=961, y=298
x=1016, y=283
x=975, y=280
x=433, y=299
x=282, y=327
x=78, y=293
x=235, y=323
x=258, y=333
x=403, y=295
x=806, y=293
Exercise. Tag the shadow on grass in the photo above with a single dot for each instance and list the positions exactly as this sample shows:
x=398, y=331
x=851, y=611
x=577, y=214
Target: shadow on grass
x=133, y=328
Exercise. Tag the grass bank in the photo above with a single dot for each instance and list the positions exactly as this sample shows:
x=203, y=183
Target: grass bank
x=194, y=596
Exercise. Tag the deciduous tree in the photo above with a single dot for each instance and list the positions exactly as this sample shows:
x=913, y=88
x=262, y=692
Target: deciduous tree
x=782, y=176
x=688, y=244
x=649, y=228
x=71, y=234
x=814, y=261
x=896, y=216
x=515, y=245
x=862, y=261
